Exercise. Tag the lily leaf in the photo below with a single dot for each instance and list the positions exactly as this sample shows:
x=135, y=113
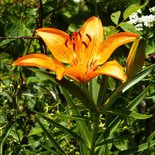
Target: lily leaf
x=67, y=117
x=5, y=134
x=128, y=113
x=137, y=100
x=66, y=130
x=138, y=77
x=51, y=138
x=117, y=120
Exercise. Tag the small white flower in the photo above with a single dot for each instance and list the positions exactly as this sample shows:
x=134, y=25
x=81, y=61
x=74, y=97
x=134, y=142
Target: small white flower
x=133, y=16
x=139, y=27
x=139, y=11
x=152, y=10
x=76, y=1
x=148, y=20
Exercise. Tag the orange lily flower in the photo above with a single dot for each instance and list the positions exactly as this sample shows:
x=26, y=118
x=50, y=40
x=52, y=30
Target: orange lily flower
x=84, y=51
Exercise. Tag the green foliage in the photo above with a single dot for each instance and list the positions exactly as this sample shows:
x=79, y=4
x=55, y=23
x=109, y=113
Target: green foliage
x=42, y=115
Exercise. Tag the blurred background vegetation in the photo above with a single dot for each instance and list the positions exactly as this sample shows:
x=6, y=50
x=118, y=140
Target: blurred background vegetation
x=23, y=92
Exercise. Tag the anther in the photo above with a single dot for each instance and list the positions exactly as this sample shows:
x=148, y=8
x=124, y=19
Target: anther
x=88, y=37
x=70, y=37
x=85, y=44
x=74, y=46
x=79, y=34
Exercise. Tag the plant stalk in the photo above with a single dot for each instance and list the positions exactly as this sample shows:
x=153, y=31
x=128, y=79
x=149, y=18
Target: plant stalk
x=95, y=118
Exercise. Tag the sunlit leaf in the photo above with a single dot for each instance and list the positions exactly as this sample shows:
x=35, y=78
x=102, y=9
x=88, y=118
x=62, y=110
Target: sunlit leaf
x=115, y=17
x=128, y=27
x=131, y=9
x=127, y=113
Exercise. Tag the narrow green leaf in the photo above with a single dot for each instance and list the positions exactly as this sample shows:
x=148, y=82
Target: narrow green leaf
x=139, y=148
x=35, y=131
x=115, y=17
x=5, y=134
x=51, y=138
x=151, y=137
x=146, y=71
x=112, y=140
x=136, y=115
x=66, y=117
x=137, y=100
x=62, y=128
x=128, y=113
x=111, y=127
x=17, y=150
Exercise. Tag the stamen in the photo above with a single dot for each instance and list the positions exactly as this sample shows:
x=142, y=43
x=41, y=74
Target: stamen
x=74, y=46
x=70, y=37
x=79, y=34
x=88, y=37
x=85, y=44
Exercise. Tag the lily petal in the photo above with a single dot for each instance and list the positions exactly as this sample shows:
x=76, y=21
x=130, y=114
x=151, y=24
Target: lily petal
x=114, y=69
x=108, y=46
x=41, y=60
x=92, y=35
x=80, y=73
x=55, y=40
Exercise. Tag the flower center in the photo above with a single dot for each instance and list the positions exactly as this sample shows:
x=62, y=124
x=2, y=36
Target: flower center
x=79, y=44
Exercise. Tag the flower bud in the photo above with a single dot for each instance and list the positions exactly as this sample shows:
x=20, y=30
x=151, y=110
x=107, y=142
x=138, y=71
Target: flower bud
x=136, y=57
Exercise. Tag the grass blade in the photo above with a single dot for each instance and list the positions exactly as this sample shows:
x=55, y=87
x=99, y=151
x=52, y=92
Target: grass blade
x=62, y=128
x=55, y=144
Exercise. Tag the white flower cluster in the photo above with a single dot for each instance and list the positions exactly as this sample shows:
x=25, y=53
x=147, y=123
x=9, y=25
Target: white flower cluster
x=140, y=21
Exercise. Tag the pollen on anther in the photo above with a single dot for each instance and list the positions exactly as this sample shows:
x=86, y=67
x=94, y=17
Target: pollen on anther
x=74, y=46
x=70, y=37
x=79, y=34
x=85, y=44
x=88, y=37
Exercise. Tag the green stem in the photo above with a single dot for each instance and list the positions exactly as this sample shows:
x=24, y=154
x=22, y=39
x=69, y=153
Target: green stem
x=94, y=132
x=102, y=95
